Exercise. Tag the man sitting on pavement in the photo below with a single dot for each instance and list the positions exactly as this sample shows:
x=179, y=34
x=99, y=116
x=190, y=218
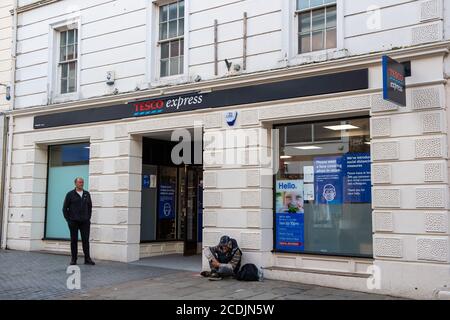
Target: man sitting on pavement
x=224, y=259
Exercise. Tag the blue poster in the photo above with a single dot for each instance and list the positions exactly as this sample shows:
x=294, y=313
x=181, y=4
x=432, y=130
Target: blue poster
x=358, y=179
x=289, y=215
x=290, y=232
x=328, y=179
x=166, y=201
x=145, y=181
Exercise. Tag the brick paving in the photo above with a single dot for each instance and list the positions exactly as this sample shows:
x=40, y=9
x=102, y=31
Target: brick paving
x=36, y=276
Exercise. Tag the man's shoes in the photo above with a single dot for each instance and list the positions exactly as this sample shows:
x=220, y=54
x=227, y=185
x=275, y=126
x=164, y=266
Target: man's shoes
x=89, y=262
x=215, y=277
x=73, y=262
x=205, y=274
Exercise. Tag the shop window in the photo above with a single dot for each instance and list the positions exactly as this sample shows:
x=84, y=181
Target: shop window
x=316, y=25
x=323, y=188
x=171, y=39
x=65, y=163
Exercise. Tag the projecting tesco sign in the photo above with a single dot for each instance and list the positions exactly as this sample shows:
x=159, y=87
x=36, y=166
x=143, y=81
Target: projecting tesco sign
x=394, y=86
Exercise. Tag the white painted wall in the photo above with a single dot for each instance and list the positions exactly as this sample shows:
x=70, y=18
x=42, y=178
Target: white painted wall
x=115, y=36
x=5, y=49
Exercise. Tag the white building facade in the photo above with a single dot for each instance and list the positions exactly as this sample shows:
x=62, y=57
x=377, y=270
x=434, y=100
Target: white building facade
x=99, y=87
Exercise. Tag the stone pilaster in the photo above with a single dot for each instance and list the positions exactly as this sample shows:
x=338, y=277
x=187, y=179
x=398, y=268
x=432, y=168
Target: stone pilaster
x=238, y=185
x=115, y=175
x=411, y=192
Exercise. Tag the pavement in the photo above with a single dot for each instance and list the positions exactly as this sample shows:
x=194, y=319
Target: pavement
x=42, y=276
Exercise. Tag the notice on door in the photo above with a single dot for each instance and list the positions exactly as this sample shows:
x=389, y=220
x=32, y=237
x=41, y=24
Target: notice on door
x=166, y=201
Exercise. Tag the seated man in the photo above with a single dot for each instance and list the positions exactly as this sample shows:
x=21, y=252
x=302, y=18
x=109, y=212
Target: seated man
x=224, y=259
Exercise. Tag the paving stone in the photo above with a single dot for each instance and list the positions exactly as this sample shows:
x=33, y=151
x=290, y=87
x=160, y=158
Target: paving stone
x=39, y=276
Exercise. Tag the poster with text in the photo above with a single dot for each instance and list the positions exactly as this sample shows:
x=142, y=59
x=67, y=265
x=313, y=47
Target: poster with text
x=328, y=182
x=166, y=201
x=289, y=215
x=357, y=187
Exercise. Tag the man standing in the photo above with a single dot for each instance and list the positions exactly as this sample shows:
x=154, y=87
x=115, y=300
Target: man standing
x=77, y=211
x=224, y=259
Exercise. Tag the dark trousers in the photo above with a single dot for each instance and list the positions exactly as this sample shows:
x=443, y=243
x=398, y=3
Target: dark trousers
x=84, y=227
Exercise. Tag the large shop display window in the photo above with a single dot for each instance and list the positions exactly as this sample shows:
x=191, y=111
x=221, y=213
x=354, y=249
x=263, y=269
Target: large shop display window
x=323, y=188
x=66, y=162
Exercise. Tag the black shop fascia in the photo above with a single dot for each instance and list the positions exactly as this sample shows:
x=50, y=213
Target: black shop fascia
x=190, y=101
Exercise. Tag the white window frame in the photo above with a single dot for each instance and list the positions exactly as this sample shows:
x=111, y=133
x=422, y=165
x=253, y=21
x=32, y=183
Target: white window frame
x=54, y=79
x=290, y=36
x=154, y=49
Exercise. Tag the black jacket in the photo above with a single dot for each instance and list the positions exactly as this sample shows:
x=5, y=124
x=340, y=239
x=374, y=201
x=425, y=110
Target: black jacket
x=77, y=208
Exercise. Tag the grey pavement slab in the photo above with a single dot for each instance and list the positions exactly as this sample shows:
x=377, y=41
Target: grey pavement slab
x=38, y=276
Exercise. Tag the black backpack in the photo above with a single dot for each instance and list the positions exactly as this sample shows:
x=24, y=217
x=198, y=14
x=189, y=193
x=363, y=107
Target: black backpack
x=248, y=272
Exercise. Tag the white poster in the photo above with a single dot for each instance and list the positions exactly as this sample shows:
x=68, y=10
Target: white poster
x=308, y=172
x=308, y=189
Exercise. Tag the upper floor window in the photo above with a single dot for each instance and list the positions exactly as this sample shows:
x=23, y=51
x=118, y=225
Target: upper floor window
x=316, y=25
x=171, y=38
x=68, y=60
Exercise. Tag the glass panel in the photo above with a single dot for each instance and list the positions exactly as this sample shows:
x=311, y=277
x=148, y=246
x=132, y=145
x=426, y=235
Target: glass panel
x=304, y=43
x=60, y=181
x=174, y=65
x=181, y=27
x=72, y=76
x=63, y=38
x=331, y=38
x=181, y=65
x=165, y=50
x=163, y=13
x=331, y=17
x=318, y=19
x=167, y=189
x=304, y=24
x=173, y=29
x=317, y=40
x=70, y=52
x=315, y=3
x=181, y=47
x=173, y=15
x=164, y=68
x=302, y=4
x=323, y=191
x=66, y=162
x=181, y=9
x=71, y=37
x=299, y=133
x=163, y=31
x=64, y=85
x=321, y=133
x=63, y=54
x=174, y=48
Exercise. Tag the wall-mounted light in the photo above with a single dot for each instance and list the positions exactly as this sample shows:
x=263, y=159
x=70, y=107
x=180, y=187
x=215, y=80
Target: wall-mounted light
x=8, y=91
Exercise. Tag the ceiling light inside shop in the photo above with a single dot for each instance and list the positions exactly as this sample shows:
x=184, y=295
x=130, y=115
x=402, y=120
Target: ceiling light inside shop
x=285, y=157
x=308, y=148
x=342, y=127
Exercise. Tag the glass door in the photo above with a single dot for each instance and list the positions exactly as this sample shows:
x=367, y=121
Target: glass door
x=193, y=182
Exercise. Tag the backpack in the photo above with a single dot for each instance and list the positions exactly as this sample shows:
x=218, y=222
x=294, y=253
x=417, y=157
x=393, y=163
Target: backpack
x=248, y=272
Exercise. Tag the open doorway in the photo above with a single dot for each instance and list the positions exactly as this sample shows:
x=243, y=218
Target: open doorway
x=172, y=198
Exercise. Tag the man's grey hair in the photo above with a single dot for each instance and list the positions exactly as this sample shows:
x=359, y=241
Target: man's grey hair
x=77, y=178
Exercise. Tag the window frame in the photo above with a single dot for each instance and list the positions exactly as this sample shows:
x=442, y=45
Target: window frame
x=54, y=80
x=274, y=181
x=154, y=47
x=291, y=33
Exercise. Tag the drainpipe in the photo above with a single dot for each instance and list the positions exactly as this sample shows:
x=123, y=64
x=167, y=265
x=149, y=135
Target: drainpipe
x=10, y=131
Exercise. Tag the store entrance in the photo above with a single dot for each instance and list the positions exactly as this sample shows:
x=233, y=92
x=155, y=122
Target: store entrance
x=172, y=197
